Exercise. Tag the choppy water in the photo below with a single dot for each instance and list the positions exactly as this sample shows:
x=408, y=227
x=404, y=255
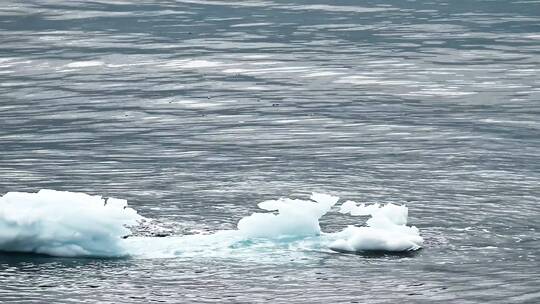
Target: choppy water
x=195, y=111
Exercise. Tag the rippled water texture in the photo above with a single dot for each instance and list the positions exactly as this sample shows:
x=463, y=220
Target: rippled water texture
x=195, y=111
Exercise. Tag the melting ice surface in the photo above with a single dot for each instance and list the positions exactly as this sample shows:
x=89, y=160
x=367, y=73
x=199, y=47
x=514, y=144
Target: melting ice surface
x=77, y=224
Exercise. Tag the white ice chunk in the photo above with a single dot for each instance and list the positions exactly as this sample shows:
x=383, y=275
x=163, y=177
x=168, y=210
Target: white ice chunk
x=386, y=230
x=64, y=223
x=395, y=213
x=294, y=218
x=377, y=239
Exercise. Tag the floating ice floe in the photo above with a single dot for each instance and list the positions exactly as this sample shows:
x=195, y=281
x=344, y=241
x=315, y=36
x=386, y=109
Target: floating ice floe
x=386, y=230
x=294, y=218
x=76, y=224
x=64, y=223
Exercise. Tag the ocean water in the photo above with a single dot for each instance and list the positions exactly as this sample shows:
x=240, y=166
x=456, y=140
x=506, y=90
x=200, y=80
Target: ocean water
x=195, y=111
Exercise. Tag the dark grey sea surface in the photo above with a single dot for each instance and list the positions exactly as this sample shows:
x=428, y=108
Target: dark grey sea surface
x=195, y=111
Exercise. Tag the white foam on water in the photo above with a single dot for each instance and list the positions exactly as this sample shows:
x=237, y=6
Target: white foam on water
x=192, y=64
x=338, y=8
x=322, y=74
x=84, y=64
x=258, y=24
x=76, y=224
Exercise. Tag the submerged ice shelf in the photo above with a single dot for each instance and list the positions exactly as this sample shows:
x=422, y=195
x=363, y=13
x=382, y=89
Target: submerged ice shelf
x=76, y=224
